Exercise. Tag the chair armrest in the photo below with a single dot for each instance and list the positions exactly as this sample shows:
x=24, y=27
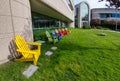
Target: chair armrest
x=34, y=43
x=30, y=52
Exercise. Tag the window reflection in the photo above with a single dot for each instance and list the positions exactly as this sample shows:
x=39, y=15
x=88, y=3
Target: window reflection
x=84, y=12
x=76, y=17
x=109, y=15
x=41, y=21
x=69, y=4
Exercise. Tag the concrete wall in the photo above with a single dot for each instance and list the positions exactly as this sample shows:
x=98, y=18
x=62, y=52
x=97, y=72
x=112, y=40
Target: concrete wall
x=15, y=19
x=60, y=6
x=58, y=9
x=97, y=11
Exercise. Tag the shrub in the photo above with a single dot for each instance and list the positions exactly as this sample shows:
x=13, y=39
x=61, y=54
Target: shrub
x=40, y=36
x=95, y=22
x=118, y=22
x=108, y=23
x=99, y=27
x=106, y=28
x=104, y=22
x=86, y=27
x=111, y=24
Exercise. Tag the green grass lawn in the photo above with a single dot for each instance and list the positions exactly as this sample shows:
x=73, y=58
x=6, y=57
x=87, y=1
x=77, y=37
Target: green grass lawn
x=82, y=55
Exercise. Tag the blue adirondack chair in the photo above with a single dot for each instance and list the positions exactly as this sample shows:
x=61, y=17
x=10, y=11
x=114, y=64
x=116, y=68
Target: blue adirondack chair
x=59, y=36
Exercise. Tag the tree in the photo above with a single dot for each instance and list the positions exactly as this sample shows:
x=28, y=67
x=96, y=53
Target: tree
x=114, y=4
x=95, y=22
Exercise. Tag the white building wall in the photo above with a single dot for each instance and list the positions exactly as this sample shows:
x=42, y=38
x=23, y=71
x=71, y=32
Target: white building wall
x=61, y=6
x=15, y=19
x=57, y=9
x=97, y=11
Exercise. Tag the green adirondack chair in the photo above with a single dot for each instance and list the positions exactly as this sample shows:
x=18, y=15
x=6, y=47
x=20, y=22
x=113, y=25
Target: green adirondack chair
x=50, y=38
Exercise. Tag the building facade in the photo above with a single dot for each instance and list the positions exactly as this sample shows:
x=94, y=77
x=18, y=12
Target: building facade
x=82, y=14
x=16, y=19
x=52, y=13
x=105, y=14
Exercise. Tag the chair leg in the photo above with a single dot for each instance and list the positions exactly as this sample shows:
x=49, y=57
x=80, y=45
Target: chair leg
x=35, y=62
x=35, y=59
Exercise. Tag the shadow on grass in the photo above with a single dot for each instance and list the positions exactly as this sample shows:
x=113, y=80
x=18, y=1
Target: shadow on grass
x=13, y=53
x=74, y=47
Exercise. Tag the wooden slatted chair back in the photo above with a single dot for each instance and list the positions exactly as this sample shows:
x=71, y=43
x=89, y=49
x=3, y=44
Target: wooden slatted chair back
x=21, y=43
x=27, y=53
x=49, y=36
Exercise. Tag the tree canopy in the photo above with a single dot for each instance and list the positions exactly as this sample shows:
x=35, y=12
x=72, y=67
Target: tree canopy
x=112, y=3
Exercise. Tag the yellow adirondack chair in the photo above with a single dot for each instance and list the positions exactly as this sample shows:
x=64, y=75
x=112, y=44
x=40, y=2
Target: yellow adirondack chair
x=27, y=53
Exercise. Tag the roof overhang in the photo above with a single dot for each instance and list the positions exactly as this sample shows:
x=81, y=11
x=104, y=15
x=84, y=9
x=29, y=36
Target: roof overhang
x=39, y=7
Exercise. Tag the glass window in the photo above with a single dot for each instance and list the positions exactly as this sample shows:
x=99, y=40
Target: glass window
x=113, y=15
x=103, y=15
x=84, y=11
x=40, y=21
x=76, y=14
x=69, y=4
x=118, y=15
x=76, y=22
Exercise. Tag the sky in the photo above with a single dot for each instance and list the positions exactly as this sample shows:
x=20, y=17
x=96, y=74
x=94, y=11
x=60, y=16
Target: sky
x=92, y=3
